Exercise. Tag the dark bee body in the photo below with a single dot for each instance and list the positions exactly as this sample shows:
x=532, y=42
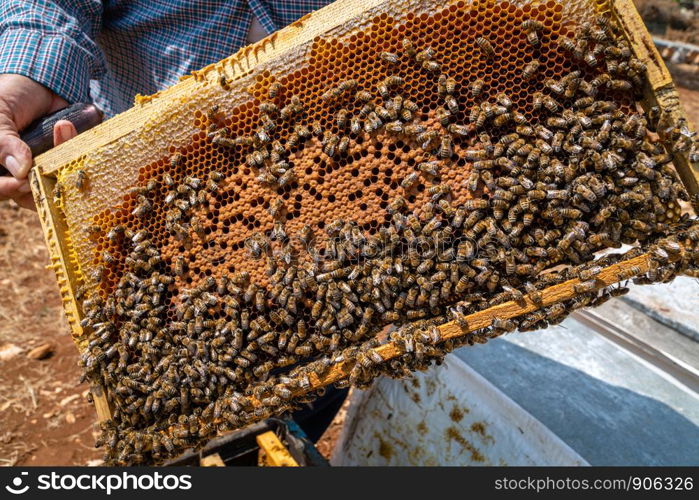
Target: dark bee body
x=486, y=47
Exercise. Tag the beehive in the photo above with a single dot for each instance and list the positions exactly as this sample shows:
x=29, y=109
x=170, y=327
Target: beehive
x=340, y=43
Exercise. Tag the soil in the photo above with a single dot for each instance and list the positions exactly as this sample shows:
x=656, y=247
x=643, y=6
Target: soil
x=45, y=418
x=690, y=102
x=326, y=443
x=666, y=19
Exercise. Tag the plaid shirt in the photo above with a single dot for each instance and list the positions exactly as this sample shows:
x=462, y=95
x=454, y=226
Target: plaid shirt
x=107, y=51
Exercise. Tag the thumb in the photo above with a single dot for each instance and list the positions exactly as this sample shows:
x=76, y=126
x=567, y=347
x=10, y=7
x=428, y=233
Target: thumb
x=14, y=154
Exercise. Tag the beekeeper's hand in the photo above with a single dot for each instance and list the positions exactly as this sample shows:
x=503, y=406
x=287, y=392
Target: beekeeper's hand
x=22, y=100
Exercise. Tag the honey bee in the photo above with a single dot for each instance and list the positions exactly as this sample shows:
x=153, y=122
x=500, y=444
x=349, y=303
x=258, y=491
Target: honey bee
x=502, y=119
x=619, y=85
x=373, y=123
x=532, y=25
x=533, y=38
x=604, y=23
x=397, y=204
x=341, y=118
x=431, y=66
x=458, y=129
x=443, y=115
x=80, y=179
x=426, y=138
x=477, y=117
x=533, y=293
x=275, y=207
x=554, y=86
x=505, y=325
x=566, y=44
x=585, y=192
x=425, y=55
x=612, y=66
x=330, y=146
x=269, y=107
x=410, y=180
x=450, y=85
x=452, y=104
x=346, y=85
x=355, y=125
x=437, y=192
x=176, y=160
x=97, y=274
x=580, y=48
x=465, y=251
x=389, y=57
x=552, y=105
x=627, y=274
x=409, y=47
x=590, y=59
x=394, y=127
x=143, y=208
x=587, y=274
x=476, y=87
x=476, y=204
x=618, y=291
x=363, y=96
x=388, y=83
x=343, y=145
x=486, y=47
x=530, y=70
x=430, y=167
x=274, y=90
x=537, y=100
x=212, y=113
x=445, y=146
x=636, y=65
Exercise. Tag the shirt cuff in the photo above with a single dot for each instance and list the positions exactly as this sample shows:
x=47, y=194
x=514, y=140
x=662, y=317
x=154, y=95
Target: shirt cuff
x=52, y=60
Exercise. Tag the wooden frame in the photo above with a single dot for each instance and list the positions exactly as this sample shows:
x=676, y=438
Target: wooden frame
x=272, y=452
x=661, y=90
x=150, y=114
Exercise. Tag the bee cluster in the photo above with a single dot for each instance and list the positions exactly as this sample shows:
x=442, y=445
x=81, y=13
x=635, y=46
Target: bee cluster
x=588, y=173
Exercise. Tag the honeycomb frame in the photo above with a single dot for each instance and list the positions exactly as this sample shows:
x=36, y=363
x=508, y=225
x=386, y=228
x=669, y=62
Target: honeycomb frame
x=144, y=136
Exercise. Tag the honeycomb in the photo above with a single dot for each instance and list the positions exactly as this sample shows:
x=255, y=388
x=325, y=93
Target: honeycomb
x=478, y=43
x=359, y=185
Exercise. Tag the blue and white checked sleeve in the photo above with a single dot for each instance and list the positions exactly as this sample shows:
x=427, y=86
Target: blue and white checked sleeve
x=107, y=51
x=53, y=43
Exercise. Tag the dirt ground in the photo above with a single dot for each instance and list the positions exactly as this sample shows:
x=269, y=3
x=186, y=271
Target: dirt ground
x=45, y=418
x=326, y=443
x=690, y=103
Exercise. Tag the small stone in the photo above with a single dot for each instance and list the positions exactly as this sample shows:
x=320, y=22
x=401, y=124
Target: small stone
x=70, y=418
x=68, y=399
x=43, y=351
x=9, y=351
